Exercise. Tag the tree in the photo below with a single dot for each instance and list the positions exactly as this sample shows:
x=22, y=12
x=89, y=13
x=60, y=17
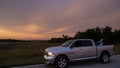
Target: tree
x=107, y=35
x=97, y=33
x=94, y=34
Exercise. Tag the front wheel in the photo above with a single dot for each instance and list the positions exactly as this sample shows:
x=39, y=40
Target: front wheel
x=61, y=61
x=105, y=58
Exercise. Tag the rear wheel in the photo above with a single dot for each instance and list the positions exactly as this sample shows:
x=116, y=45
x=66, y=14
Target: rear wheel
x=61, y=61
x=105, y=58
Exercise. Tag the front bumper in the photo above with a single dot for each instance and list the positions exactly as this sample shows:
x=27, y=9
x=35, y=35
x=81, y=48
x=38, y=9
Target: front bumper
x=49, y=59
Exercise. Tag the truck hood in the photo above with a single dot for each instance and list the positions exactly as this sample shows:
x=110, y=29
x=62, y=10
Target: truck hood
x=56, y=49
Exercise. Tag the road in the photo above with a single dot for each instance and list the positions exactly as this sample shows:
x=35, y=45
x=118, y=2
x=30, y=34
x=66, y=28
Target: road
x=114, y=63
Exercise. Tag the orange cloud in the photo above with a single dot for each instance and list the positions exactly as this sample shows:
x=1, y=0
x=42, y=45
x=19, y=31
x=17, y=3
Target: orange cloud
x=30, y=28
x=5, y=33
x=59, y=30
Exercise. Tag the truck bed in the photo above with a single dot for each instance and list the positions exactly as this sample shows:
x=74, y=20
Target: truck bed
x=108, y=48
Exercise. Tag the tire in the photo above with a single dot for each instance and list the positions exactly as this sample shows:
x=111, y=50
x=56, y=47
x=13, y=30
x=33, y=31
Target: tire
x=105, y=58
x=61, y=62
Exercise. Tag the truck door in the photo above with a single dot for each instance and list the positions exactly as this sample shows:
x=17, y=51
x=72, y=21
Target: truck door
x=76, y=50
x=83, y=49
x=88, y=49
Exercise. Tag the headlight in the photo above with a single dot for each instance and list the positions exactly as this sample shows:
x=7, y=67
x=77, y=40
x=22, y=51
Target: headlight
x=50, y=54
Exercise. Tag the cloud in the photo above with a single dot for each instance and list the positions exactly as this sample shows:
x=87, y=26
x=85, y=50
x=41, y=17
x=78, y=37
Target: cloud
x=31, y=28
x=5, y=33
x=46, y=19
x=59, y=30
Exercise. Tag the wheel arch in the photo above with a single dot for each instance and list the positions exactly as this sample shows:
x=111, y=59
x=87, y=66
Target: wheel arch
x=105, y=51
x=61, y=55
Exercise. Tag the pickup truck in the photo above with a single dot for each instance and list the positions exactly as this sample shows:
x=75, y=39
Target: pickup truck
x=77, y=49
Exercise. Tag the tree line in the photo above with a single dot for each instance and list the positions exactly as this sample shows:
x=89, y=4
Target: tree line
x=108, y=35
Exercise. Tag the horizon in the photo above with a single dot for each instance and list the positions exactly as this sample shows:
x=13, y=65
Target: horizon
x=113, y=30
x=45, y=19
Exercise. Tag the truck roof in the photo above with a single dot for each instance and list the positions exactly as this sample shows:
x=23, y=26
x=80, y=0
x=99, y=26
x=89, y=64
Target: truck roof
x=82, y=39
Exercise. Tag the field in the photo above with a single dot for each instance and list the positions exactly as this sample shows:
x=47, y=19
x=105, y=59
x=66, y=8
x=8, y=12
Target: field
x=26, y=53
x=23, y=53
x=117, y=48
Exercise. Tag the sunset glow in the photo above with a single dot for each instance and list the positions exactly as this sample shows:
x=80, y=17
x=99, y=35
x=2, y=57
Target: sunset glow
x=44, y=19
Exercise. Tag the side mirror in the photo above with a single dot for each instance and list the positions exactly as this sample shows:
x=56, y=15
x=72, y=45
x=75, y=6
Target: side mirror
x=71, y=47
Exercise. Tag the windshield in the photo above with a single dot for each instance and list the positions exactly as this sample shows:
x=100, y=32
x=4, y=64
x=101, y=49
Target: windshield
x=67, y=43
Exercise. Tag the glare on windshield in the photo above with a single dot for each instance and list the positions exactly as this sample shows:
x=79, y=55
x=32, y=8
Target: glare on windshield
x=67, y=43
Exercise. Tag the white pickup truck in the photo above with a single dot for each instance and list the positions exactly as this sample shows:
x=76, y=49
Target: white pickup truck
x=77, y=49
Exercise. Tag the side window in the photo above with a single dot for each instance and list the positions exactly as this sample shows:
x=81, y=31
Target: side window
x=82, y=43
x=77, y=44
x=86, y=43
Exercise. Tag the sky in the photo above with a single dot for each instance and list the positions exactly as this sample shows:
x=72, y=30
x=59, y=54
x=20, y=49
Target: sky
x=44, y=19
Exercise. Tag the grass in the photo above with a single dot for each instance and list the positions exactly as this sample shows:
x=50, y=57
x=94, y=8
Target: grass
x=23, y=53
x=26, y=53
x=117, y=49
